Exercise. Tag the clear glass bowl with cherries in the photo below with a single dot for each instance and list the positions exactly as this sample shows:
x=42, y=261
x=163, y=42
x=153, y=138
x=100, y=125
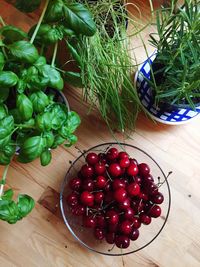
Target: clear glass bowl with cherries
x=115, y=199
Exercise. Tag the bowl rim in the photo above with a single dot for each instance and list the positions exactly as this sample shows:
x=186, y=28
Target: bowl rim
x=63, y=187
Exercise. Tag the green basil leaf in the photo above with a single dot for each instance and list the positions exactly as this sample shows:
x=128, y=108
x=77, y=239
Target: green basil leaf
x=30, y=122
x=25, y=107
x=58, y=141
x=43, y=122
x=72, y=122
x=66, y=31
x=74, y=53
x=4, y=160
x=6, y=126
x=3, y=111
x=27, y=6
x=4, y=141
x=72, y=140
x=73, y=78
x=9, y=150
x=15, y=113
x=79, y=19
x=45, y=157
x=39, y=100
x=55, y=79
x=25, y=205
x=54, y=11
x=8, y=194
x=49, y=138
x=40, y=61
x=21, y=86
x=8, y=79
x=12, y=34
x=59, y=115
x=9, y=211
x=31, y=149
x=4, y=93
x=24, y=51
x=37, y=83
x=2, y=61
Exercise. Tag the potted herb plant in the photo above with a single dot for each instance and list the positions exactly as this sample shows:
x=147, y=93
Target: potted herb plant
x=169, y=80
x=31, y=118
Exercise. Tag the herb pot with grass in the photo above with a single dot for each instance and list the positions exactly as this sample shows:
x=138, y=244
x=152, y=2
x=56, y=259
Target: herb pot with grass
x=33, y=118
x=169, y=80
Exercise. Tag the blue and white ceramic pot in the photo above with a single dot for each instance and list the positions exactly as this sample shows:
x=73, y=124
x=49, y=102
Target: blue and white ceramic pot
x=167, y=114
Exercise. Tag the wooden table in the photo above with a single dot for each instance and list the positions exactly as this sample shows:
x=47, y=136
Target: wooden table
x=43, y=240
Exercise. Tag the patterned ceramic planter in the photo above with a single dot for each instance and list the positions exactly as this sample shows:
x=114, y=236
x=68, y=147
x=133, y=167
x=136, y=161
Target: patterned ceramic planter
x=167, y=114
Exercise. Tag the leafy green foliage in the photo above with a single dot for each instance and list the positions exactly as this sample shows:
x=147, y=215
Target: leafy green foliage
x=12, y=34
x=2, y=61
x=45, y=157
x=175, y=75
x=8, y=79
x=24, y=106
x=54, y=11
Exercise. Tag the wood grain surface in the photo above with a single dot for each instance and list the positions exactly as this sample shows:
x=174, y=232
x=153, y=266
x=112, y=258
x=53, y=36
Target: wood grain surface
x=42, y=239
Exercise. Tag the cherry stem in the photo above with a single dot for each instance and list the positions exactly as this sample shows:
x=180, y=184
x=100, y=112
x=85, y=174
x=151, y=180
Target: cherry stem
x=161, y=183
x=111, y=248
x=82, y=152
x=109, y=176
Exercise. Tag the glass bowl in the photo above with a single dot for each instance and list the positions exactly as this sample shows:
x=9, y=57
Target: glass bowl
x=148, y=233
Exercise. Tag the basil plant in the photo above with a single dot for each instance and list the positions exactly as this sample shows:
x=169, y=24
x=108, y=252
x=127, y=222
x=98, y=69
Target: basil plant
x=31, y=120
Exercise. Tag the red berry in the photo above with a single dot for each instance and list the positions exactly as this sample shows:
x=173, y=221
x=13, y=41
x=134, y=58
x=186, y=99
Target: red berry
x=87, y=171
x=129, y=213
x=99, y=168
x=124, y=163
x=88, y=185
x=78, y=210
x=149, y=178
x=151, y=188
x=112, y=217
x=125, y=204
x=100, y=221
x=110, y=238
x=138, y=179
x=123, y=155
x=75, y=184
x=145, y=219
x=158, y=198
x=134, y=161
x=126, y=227
x=98, y=197
x=108, y=197
x=155, y=211
x=112, y=154
x=136, y=223
x=138, y=205
x=118, y=183
x=99, y=233
x=72, y=199
x=89, y=221
x=92, y=158
x=133, y=189
x=134, y=234
x=144, y=169
x=87, y=198
x=113, y=228
x=120, y=195
x=122, y=241
x=143, y=196
x=132, y=170
x=100, y=182
x=107, y=187
x=114, y=169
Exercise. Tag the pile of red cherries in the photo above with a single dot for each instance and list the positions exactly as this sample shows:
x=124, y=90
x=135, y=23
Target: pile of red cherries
x=114, y=195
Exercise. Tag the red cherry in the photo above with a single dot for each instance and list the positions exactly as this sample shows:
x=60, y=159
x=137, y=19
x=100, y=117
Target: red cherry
x=120, y=195
x=108, y=197
x=149, y=178
x=99, y=197
x=129, y=213
x=123, y=155
x=155, y=211
x=125, y=204
x=122, y=241
x=107, y=187
x=87, y=198
x=113, y=228
x=158, y=198
x=143, y=196
x=114, y=169
x=79, y=210
x=138, y=205
x=100, y=182
x=133, y=189
x=87, y=171
x=99, y=168
x=151, y=188
x=126, y=227
x=75, y=184
x=118, y=183
x=100, y=221
x=99, y=233
x=144, y=169
x=145, y=219
x=92, y=158
x=88, y=185
x=89, y=221
x=136, y=223
x=132, y=170
x=134, y=234
x=112, y=217
x=134, y=161
x=124, y=163
x=112, y=154
x=110, y=238
x=138, y=179
x=72, y=199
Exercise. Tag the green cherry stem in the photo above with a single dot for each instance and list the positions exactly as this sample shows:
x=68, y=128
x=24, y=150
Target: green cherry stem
x=39, y=22
x=3, y=181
